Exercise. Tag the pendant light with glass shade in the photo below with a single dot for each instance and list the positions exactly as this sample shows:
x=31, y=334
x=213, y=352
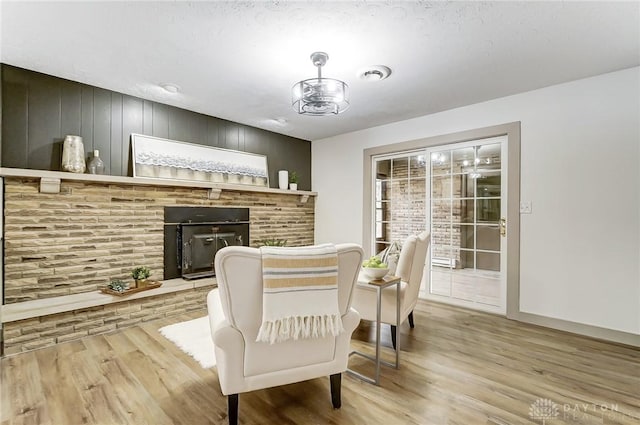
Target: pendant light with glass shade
x=320, y=96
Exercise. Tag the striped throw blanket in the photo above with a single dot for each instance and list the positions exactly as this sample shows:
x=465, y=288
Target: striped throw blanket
x=300, y=293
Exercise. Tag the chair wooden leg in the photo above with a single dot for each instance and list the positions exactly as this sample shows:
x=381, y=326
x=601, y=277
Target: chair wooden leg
x=393, y=336
x=336, y=383
x=232, y=412
x=411, y=320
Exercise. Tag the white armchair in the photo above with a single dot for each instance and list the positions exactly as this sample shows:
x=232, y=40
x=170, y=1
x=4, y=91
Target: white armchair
x=246, y=365
x=410, y=269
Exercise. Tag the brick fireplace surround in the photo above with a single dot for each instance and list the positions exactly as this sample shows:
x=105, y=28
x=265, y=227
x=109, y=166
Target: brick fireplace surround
x=61, y=247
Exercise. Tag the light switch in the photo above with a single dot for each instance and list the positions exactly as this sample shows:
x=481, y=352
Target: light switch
x=525, y=207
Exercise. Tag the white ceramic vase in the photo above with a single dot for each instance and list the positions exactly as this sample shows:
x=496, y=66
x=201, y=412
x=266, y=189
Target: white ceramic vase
x=283, y=179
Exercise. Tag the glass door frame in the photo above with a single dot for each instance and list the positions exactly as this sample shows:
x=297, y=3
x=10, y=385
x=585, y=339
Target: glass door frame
x=512, y=131
x=503, y=250
x=372, y=248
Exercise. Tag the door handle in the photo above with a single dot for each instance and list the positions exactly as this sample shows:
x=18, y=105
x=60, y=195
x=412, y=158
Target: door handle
x=503, y=226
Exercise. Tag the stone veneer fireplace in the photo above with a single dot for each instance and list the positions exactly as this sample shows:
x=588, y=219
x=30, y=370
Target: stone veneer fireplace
x=63, y=246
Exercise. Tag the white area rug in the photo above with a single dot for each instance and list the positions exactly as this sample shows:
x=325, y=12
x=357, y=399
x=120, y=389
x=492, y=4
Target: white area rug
x=194, y=338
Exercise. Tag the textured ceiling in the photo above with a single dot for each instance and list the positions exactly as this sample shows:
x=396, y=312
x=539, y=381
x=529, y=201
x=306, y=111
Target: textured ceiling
x=239, y=60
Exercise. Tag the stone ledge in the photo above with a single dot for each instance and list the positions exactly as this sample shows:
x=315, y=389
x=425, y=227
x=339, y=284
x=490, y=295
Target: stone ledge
x=46, y=306
x=50, y=182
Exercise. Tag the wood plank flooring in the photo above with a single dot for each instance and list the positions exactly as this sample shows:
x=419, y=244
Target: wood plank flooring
x=457, y=367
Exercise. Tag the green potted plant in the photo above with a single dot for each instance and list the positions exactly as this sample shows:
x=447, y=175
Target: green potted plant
x=118, y=285
x=140, y=275
x=293, y=180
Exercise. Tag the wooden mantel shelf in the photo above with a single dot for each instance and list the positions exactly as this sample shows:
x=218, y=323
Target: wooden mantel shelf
x=50, y=182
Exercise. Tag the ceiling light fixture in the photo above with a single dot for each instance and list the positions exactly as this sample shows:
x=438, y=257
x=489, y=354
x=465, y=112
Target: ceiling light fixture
x=170, y=87
x=374, y=73
x=320, y=96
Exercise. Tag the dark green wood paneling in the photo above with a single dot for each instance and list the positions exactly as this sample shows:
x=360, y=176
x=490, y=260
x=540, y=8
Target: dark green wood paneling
x=70, y=107
x=132, y=116
x=15, y=112
x=147, y=120
x=160, y=120
x=43, y=125
x=116, y=135
x=38, y=110
x=102, y=126
x=86, y=122
x=212, y=131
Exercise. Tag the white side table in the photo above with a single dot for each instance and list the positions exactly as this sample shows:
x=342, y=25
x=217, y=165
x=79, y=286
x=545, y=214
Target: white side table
x=381, y=284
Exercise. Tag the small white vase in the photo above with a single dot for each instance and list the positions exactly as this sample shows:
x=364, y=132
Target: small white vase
x=293, y=186
x=283, y=179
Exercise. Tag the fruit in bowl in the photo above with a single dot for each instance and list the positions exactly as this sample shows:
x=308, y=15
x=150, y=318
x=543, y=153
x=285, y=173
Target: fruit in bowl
x=374, y=268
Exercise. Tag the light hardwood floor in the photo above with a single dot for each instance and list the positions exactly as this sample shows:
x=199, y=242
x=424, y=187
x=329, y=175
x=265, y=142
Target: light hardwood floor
x=457, y=367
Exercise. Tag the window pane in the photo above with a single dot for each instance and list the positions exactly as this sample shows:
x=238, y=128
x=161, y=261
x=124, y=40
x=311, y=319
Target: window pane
x=441, y=187
x=462, y=186
x=382, y=190
x=488, y=261
x=441, y=211
x=382, y=231
x=467, y=235
x=383, y=169
x=440, y=281
x=399, y=168
x=417, y=227
x=441, y=255
x=463, y=287
x=488, y=237
x=418, y=166
x=441, y=236
x=400, y=230
x=466, y=259
x=463, y=210
x=488, y=210
x=441, y=163
x=488, y=184
x=463, y=160
x=488, y=157
x=417, y=194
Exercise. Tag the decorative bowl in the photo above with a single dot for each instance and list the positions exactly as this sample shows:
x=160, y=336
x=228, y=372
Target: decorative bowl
x=375, y=272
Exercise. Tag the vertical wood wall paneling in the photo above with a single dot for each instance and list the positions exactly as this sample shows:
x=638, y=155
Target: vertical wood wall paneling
x=38, y=110
x=43, y=124
x=179, y=125
x=86, y=124
x=132, y=115
x=160, y=121
x=102, y=126
x=70, y=117
x=212, y=131
x=147, y=117
x=116, y=135
x=15, y=116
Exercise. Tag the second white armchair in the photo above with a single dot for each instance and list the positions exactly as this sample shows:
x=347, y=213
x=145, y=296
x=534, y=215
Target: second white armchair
x=410, y=269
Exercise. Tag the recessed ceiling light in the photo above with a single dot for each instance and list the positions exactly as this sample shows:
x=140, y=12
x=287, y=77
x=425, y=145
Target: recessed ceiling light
x=170, y=87
x=374, y=73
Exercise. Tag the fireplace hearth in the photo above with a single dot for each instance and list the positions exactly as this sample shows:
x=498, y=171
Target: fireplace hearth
x=193, y=235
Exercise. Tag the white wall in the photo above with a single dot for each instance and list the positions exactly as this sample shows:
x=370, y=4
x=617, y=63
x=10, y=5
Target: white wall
x=580, y=162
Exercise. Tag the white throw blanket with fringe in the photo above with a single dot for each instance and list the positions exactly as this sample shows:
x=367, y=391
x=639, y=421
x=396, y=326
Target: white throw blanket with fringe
x=300, y=293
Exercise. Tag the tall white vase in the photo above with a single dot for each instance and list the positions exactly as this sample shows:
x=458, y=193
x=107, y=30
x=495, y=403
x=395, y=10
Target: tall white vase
x=283, y=179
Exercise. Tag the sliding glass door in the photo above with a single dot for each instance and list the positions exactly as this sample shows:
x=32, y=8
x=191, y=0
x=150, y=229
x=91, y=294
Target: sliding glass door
x=466, y=219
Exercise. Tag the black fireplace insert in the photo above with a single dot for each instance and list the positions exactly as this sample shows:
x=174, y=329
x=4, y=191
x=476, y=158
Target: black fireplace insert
x=193, y=235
